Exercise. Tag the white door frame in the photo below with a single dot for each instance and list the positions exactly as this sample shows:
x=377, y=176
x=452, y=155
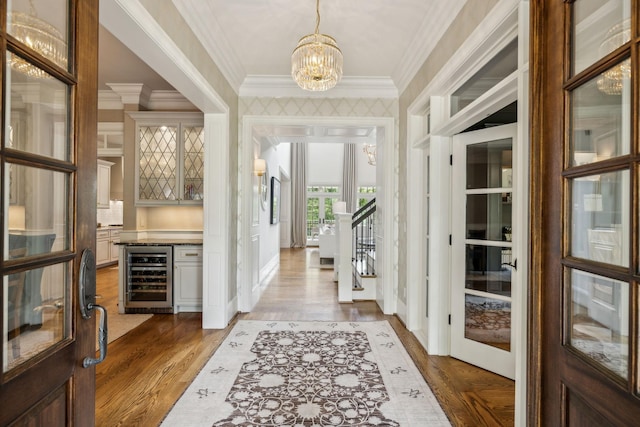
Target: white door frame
x=248, y=297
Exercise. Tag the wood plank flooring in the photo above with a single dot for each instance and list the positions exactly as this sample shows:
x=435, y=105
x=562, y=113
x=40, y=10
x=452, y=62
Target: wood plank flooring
x=148, y=369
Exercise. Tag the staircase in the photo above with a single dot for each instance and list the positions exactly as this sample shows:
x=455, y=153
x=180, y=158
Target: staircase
x=363, y=228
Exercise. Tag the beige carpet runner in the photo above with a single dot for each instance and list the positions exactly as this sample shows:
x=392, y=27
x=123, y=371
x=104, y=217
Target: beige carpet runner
x=309, y=374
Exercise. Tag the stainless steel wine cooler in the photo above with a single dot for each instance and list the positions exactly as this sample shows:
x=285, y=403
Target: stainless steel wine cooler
x=149, y=279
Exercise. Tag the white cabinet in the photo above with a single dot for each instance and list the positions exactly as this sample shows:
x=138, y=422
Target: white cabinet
x=106, y=248
x=103, y=251
x=187, y=278
x=169, y=158
x=104, y=183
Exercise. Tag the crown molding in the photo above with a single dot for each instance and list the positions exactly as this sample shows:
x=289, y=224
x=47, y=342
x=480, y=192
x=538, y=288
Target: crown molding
x=348, y=87
x=433, y=28
x=132, y=93
x=169, y=100
x=210, y=34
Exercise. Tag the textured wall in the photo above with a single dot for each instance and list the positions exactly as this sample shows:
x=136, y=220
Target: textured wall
x=165, y=13
x=461, y=28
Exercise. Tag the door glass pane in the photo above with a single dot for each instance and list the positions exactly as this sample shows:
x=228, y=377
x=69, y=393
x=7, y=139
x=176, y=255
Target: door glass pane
x=599, y=27
x=38, y=214
x=329, y=216
x=489, y=164
x=489, y=216
x=35, y=317
x=43, y=26
x=600, y=218
x=599, y=320
x=488, y=321
x=601, y=117
x=38, y=114
x=487, y=270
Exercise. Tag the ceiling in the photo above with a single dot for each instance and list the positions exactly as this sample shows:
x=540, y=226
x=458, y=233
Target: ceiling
x=378, y=38
x=381, y=40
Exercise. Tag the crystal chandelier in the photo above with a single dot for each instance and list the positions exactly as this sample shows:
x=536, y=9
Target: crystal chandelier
x=612, y=80
x=40, y=36
x=370, y=151
x=316, y=63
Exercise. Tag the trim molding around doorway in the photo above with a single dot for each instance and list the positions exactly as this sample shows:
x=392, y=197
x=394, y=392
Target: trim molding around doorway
x=247, y=297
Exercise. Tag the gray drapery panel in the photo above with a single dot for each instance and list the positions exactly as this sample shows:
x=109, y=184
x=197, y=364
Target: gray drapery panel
x=299, y=195
x=349, y=176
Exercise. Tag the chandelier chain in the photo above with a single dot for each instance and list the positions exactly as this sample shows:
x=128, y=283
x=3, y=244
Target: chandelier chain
x=317, y=15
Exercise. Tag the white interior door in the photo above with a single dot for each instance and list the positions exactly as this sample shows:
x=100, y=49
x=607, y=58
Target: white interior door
x=482, y=261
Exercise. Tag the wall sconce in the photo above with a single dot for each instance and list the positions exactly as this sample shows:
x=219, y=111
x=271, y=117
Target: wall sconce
x=259, y=166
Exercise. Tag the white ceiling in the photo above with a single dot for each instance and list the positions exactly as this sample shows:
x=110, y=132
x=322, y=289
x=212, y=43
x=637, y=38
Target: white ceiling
x=380, y=39
x=252, y=40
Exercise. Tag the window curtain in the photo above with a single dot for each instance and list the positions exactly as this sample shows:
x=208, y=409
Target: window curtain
x=349, y=175
x=299, y=195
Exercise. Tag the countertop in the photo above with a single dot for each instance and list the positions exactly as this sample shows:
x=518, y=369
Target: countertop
x=109, y=227
x=161, y=242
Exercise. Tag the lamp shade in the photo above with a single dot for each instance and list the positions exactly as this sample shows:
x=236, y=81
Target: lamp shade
x=259, y=166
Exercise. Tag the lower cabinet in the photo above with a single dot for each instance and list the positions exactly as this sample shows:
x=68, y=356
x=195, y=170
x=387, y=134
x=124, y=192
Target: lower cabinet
x=106, y=250
x=187, y=278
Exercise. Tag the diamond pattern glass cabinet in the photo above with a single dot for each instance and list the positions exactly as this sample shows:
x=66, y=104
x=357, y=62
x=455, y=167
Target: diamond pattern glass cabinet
x=169, y=158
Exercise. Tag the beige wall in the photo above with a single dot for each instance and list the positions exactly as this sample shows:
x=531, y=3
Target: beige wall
x=165, y=13
x=461, y=28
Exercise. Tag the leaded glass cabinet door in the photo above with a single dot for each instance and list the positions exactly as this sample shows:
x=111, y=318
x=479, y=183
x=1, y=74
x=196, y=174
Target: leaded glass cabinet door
x=169, y=158
x=48, y=210
x=586, y=213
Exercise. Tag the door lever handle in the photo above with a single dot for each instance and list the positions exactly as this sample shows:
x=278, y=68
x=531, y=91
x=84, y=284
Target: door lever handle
x=102, y=337
x=87, y=295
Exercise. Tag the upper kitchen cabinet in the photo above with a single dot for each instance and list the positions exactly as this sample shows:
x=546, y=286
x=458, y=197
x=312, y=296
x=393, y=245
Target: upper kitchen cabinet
x=110, y=139
x=169, y=158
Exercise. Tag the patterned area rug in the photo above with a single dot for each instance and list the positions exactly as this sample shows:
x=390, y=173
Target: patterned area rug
x=308, y=374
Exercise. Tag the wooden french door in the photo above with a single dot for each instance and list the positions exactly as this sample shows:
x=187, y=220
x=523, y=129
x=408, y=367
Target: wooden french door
x=48, y=210
x=585, y=165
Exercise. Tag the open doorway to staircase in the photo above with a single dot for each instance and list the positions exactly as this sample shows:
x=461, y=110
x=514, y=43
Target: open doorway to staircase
x=270, y=132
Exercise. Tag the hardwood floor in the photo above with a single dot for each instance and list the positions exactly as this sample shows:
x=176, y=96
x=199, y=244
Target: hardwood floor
x=148, y=369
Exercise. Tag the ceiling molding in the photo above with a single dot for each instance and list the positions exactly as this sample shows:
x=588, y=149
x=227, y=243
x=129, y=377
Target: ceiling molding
x=109, y=100
x=349, y=87
x=132, y=93
x=131, y=23
x=498, y=29
x=433, y=28
x=157, y=100
x=212, y=37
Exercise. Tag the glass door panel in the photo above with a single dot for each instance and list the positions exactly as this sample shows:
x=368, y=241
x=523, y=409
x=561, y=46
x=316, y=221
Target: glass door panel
x=39, y=211
x=600, y=118
x=481, y=314
x=600, y=219
x=599, y=27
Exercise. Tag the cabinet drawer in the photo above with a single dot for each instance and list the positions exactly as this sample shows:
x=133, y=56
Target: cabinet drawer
x=187, y=253
x=115, y=233
x=102, y=234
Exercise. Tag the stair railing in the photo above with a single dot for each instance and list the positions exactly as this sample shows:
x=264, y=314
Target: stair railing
x=364, y=239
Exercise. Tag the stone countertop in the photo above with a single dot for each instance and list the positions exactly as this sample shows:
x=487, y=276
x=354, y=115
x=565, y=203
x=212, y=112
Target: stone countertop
x=161, y=242
x=109, y=227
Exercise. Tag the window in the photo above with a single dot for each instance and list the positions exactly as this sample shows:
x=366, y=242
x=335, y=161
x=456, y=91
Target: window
x=320, y=200
x=365, y=195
